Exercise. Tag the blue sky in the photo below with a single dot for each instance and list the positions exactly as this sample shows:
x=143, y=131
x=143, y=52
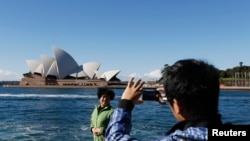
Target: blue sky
x=135, y=36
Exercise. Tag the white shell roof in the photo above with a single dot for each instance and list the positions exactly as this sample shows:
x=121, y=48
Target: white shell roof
x=39, y=69
x=64, y=65
x=47, y=64
x=98, y=74
x=53, y=70
x=33, y=65
x=110, y=74
x=79, y=72
x=90, y=68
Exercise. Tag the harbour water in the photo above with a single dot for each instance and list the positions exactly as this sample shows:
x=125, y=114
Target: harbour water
x=64, y=114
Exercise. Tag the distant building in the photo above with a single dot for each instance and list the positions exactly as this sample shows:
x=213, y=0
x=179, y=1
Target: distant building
x=63, y=71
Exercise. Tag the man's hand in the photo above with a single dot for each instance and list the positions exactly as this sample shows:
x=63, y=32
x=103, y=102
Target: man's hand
x=133, y=91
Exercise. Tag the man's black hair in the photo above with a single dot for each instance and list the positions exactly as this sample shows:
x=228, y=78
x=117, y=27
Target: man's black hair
x=194, y=84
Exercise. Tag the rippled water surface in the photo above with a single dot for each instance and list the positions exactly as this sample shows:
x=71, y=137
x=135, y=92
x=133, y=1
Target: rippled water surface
x=64, y=114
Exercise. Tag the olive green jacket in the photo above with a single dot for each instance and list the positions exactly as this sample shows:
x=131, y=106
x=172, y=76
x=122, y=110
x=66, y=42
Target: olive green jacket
x=100, y=119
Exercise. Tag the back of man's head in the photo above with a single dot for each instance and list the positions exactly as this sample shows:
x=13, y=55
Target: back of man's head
x=195, y=85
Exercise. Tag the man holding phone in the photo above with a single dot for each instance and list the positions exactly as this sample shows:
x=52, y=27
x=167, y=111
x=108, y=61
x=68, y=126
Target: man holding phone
x=192, y=91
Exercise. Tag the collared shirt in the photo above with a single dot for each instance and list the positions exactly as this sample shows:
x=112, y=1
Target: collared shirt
x=120, y=125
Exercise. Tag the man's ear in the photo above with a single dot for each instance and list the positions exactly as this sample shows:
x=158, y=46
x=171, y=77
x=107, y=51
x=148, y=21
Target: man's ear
x=177, y=107
x=179, y=110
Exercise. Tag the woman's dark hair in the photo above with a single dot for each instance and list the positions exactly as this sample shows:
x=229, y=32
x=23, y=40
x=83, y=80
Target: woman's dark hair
x=106, y=91
x=194, y=84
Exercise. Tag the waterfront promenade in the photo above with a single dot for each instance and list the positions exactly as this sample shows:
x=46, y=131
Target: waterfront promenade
x=234, y=88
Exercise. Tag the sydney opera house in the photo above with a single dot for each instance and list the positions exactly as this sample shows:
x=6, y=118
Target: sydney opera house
x=63, y=71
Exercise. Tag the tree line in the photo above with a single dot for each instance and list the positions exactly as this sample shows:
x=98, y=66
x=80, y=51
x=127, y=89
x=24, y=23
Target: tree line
x=235, y=76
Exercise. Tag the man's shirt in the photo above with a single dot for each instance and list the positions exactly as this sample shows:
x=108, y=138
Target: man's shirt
x=120, y=125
